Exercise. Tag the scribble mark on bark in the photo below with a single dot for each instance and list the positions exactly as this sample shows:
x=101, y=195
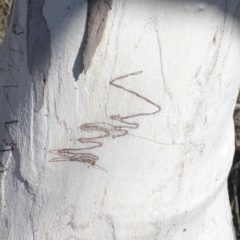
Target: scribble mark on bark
x=8, y=144
x=38, y=47
x=96, y=22
x=104, y=129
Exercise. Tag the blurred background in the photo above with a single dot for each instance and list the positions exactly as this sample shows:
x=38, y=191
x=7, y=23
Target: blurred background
x=234, y=176
x=5, y=7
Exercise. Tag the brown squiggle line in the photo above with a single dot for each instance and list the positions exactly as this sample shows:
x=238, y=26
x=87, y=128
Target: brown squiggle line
x=71, y=154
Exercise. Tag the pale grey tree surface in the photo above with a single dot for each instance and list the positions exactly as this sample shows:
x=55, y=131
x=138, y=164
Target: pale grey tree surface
x=116, y=119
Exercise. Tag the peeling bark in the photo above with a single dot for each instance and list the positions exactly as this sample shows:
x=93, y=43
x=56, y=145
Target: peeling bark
x=96, y=22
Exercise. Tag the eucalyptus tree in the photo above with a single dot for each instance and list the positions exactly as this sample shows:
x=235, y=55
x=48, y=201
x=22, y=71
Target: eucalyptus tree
x=116, y=119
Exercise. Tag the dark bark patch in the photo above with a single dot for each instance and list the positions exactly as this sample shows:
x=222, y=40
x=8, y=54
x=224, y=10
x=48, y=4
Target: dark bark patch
x=96, y=22
x=78, y=63
x=38, y=47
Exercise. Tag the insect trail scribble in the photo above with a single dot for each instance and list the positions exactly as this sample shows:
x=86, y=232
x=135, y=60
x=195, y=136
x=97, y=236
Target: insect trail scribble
x=10, y=145
x=105, y=130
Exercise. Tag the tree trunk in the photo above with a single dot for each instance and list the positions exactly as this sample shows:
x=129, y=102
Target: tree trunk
x=116, y=119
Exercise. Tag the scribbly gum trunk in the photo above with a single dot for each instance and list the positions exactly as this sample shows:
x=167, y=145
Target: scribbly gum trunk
x=116, y=119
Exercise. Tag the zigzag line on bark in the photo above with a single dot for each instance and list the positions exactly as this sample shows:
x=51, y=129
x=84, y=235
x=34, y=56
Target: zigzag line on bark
x=76, y=155
x=10, y=144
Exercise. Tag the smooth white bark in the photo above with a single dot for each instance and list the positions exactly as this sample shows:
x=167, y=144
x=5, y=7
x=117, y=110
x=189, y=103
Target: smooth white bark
x=169, y=72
